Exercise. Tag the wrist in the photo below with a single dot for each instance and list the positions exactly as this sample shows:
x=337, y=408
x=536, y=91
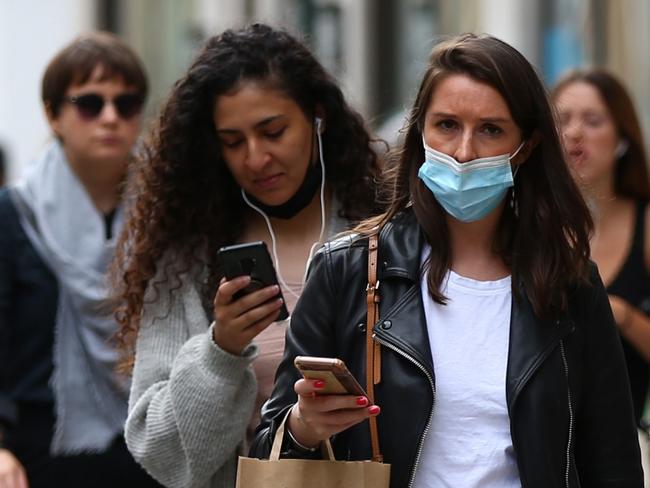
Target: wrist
x=298, y=445
x=299, y=433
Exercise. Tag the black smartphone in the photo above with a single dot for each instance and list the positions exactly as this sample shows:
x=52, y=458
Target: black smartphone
x=250, y=259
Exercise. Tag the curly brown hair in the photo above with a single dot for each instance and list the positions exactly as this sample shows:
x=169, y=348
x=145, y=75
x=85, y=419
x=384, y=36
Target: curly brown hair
x=186, y=204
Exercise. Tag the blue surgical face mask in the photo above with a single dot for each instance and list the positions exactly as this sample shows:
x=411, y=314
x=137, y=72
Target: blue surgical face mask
x=467, y=191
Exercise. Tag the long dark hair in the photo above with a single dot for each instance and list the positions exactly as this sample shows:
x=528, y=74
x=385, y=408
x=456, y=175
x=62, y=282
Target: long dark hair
x=187, y=204
x=547, y=244
x=631, y=175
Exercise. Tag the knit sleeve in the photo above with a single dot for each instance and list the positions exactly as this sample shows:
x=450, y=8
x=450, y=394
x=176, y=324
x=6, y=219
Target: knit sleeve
x=190, y=401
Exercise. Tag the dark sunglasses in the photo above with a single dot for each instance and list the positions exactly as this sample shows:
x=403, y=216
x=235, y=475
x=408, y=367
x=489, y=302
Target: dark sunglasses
x=90, y=105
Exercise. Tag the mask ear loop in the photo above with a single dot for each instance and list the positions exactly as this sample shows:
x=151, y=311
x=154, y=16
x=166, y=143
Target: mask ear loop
x=274, y=249
x=514, y=205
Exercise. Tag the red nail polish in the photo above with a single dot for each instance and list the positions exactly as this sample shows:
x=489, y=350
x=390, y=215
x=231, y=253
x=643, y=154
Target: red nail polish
x=319, y=384
x=362, y=401
x=374, y=410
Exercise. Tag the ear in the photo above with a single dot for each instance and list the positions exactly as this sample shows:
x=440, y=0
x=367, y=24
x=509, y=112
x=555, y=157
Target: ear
x=319, y=119
x=528, y=148
x=52, y=120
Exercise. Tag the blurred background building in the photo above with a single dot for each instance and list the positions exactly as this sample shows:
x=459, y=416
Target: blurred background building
x=376, y=48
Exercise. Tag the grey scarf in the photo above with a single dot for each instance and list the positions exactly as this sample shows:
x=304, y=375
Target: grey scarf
x=68, y=233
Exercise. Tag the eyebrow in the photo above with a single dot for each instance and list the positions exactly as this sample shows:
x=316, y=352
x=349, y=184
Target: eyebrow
x=500, y=120
x=259, y=124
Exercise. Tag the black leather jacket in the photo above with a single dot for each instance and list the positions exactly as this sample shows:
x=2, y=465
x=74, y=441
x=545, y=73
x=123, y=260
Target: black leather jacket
x=567, y=390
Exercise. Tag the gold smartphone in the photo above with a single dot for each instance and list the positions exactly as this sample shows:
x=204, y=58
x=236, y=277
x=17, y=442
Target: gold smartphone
x=338, y=380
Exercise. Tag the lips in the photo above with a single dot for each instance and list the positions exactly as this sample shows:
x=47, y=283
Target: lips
x=267, y=182
x=110, y=140
x=576, y=155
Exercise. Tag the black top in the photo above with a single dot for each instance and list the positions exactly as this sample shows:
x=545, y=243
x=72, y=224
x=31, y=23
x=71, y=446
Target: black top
x=633, y=285
x=28, y=303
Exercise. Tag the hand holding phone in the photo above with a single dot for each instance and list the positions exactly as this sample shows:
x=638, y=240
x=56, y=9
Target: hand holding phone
x=329, y=406
x=248, y=298
x=250, y=259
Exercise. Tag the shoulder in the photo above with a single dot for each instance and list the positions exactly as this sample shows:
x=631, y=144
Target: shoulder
x=7, y=208
x=9, y=222
x=588, y=298
x=176, y=283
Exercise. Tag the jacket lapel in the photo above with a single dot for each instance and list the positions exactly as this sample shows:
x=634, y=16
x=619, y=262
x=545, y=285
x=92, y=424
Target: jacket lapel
x=401, y=319
x=531, y=341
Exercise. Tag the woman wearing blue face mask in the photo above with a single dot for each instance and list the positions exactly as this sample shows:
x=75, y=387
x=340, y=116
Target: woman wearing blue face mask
x=500, y=365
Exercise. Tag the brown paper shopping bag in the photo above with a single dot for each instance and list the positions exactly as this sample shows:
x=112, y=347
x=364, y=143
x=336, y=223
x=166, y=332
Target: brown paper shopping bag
x=302, y=473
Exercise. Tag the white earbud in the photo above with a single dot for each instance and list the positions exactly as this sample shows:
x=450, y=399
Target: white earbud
x=319, y=124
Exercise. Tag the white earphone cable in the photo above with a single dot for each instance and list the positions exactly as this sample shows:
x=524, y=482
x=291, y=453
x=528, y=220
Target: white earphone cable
x=322, y=226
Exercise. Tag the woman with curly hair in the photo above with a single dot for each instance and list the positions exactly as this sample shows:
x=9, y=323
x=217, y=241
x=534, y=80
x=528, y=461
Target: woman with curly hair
x=256, y=143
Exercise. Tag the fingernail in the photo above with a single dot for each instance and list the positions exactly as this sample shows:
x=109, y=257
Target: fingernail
x=362, y=401
x=319, y=384
x=374, y=410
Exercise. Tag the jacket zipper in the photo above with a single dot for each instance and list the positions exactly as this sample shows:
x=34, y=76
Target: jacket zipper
x=570, y=440
x=433, y=390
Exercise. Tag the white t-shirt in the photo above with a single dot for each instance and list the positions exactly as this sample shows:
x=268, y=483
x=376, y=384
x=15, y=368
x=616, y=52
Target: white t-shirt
x=468, y=444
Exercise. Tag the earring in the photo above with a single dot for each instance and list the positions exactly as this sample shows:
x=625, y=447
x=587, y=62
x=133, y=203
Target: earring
x=621, y=148
x=514, y=204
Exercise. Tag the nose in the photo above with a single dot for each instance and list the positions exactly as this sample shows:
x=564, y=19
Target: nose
x=465, y=150
x=572, y=130
x=109, y=113
x=257, y=156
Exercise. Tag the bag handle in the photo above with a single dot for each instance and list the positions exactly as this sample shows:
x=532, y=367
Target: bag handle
x=373, y=351
x=325, y=446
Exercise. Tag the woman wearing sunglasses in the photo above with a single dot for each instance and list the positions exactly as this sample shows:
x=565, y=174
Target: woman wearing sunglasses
x=256, y=143
x=62, y=407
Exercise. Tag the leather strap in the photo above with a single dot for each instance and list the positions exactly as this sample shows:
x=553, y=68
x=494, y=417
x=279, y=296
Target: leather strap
x=373, y=352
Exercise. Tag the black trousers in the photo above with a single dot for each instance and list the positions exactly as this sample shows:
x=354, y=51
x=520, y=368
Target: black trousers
x=30, y=440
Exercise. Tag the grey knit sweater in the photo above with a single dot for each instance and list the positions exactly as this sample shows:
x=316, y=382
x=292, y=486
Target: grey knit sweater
x=190, y=401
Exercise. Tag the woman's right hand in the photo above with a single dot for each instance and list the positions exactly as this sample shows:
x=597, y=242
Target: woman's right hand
x=237, y=322
x=316, y=418
x=12, y=473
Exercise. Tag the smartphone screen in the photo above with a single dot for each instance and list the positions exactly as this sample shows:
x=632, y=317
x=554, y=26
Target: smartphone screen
x=250, y=259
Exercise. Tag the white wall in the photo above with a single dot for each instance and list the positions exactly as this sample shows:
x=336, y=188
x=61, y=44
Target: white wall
x=31, y=32
x=513, y=21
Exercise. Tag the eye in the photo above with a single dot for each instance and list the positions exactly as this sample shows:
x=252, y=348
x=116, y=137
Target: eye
x=563, y=119
x=447, y=124
x=231, y=144
x=492, y=130
x=275, y=134
x=594, y=120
